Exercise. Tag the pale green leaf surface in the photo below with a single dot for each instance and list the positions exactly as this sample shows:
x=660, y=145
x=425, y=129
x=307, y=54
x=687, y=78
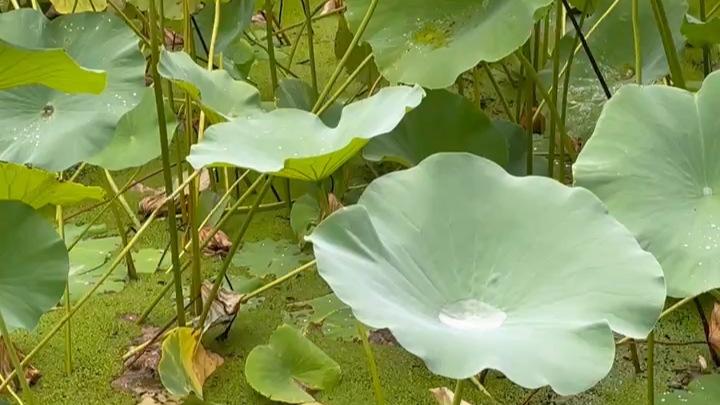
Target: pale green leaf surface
x=655, y=166
x=88, y=263
x=471, y=268
x=305, y=214
x=176, y=367
x=296, y=144
x=270, y=257
x=295, y=93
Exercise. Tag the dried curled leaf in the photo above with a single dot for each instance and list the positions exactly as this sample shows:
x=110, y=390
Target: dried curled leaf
x=332, y=5
x=32, y=375
x=714, y=332
x=219, y=245
x=444, y=396
x=223, y=309
x=155, y=197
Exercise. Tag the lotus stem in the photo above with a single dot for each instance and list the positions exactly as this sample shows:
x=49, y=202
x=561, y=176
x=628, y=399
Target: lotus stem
x=311, y=46
x=459, y=387
x=279, y=65
x=123, y=202
x=634, y=356
x=15, y=361
x=77, y=172
x=351, y=47
x=651, y=368
x=545, y=41
x=15, y=4
x=279, y=280
x=315, y=17
x=270, y=45
x=12, y=392
x=498, y=92
x=529, y=101
x=345, y=85
x=377, y=387
x=668, y=44
x=559, y=18
x=705, y=48
x=714, y=10
x=374, y=86
x=233, y=249
x=68, y=304
x=126, y=20
x=636, y=40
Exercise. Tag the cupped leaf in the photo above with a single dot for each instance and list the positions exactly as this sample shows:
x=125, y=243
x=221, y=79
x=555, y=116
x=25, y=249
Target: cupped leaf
x=653, y=160
x=52, y=129
x=701, y=33
x=52, y=68
x=78, y=6
x=296, y=144
x=448, y=256
x=444, y=122
x=136, y=139
x=185, y=364
x=216, y=91
x=702, y=391
x=289, y=362
x=33, y=265
x=38, y=188
x=431, y=42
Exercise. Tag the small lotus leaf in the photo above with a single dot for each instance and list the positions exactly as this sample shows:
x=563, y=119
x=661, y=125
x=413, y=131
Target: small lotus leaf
x=147, y=261
x=702, y=391
x=185, y=364
x=431, y=42
x=471, y=269
x=136, y=140
x=290, y=361
x=72, y=232
x=216, y=91
x=654, y=164
x=54, y=130
x=52, y=68
x=78, y=6
x=33, y=265
x=444, y=122
x=296, y=144
x=38, y=188
x=701, y=33
x=172, y=9
x=270, y=257
x=88, y=260
x=332, y=316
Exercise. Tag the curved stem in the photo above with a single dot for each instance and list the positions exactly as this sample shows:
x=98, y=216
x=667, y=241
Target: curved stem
x=15, y=361
x=459, y=387
x=374, y=86
x=345, y=85
x=127, y=22
x=668, y=43
x=377, y=387
x=636, y=40
x=353, y=43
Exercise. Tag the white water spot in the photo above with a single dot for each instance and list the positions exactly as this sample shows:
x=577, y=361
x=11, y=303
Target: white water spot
x=707, y=191
x=471, y=314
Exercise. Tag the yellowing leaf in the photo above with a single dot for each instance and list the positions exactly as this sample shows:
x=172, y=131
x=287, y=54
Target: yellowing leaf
x=185, y=364
x=78, y=6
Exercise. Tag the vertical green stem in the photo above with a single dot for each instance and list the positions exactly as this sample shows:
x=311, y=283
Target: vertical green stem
x=529, y=124
x=288, y=196
x=546, y=41
x=651, y=368
x=668, y=43
x=15, y=361
x=459, y=387
x=636, y=40
x=634, y=357
x=377, y=387
x=172, y=221
x=559, y=18
x=68, y=304
x=311, y=45
x=195, y=275
x=498, y=91
x=706, y=49
x=270, y=44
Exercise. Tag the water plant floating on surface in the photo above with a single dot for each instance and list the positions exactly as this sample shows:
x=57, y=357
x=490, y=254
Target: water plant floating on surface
x=471, y=268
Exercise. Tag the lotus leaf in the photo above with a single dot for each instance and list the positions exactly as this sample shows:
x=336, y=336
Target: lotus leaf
x=296, y=144
x=185, y=364
x=38, y=188
x=33, y=265
x=52, y=68
x=290, y=361
x=654, y=164
x=471, y=268
x=270, y=257
x=444, y=122
x=78, y=6
x=327, y=312
x=703, y=391
x=216, y=90
x=88, y=260
x=235, y=18
x=431, y=42
x=172, y=9
x=701, y=33
x=136, y=139
x=304, y=215
x=55, y=130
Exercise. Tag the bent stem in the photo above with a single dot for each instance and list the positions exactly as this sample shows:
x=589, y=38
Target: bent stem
x=459, y=387
x=15, y=361
x=371, y=363
x=668, y=43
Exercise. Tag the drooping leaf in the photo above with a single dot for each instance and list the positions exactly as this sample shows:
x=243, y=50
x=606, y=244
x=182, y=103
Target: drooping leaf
x=654, y=166
x=185, y=364
x=295, y=93
x=235, y=18
x=33, y=265
x=216, y=91
x=136, y=139
x=447, y=256
x=702, y=391
x=270, y=257
x=701, y=33
x=432, y=42
x=54, y=130
x=289, y=362
x=38, y=188
x=444, y=122
x=297, y=144
x=52, y=68
x=79, y=6
x=304, y=215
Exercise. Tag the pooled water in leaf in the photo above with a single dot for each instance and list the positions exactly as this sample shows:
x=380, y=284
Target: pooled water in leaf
x=471, y=314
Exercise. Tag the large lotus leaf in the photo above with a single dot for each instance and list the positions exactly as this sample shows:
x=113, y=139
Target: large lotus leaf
x=38, y=188
x=703, y=391
x=431, y=42
x=52, y=68
x=78, y=6
x=610, y=40
x=235, y=18
x=215, y=90
x=289, y=362
x=444, y=122
x=52, y=129
x=471, y=268
x=136, y=140
x=701, y=33
x=653, y=161
x=296, y=144
x=33, y=265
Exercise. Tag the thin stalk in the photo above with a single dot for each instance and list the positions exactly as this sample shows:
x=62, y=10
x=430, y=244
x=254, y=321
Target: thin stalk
x=172, y=222
x=195, y=275
x=127, y=22
x=374, y=86
x=235, y=245
x=459, y=387
x=651, y=368
x=377, y=387
x=481, y=386
x=545, y=45
x=498, y=91
x=529, y=125
x=288, y=196
x=706, y=331
x=351, y=47
x=714, y=10
x=705, y=48
x=460, y=85
x=15, y=361
x=345, y=85
x=314, y=18
x=123, y=202
x=75, y=175
x=668, y=43
x=179, y=153
x=634, y=356
x=15, y=4
x=529, y=71
x=476, y=86
x=280, y=66
x=270, y=46
x=132, y=274
x=12, y=392
x=311, y=46
x=35, y=5
x=68, y=304
x=559, y=17
x=279, y=280
x=636, y=40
